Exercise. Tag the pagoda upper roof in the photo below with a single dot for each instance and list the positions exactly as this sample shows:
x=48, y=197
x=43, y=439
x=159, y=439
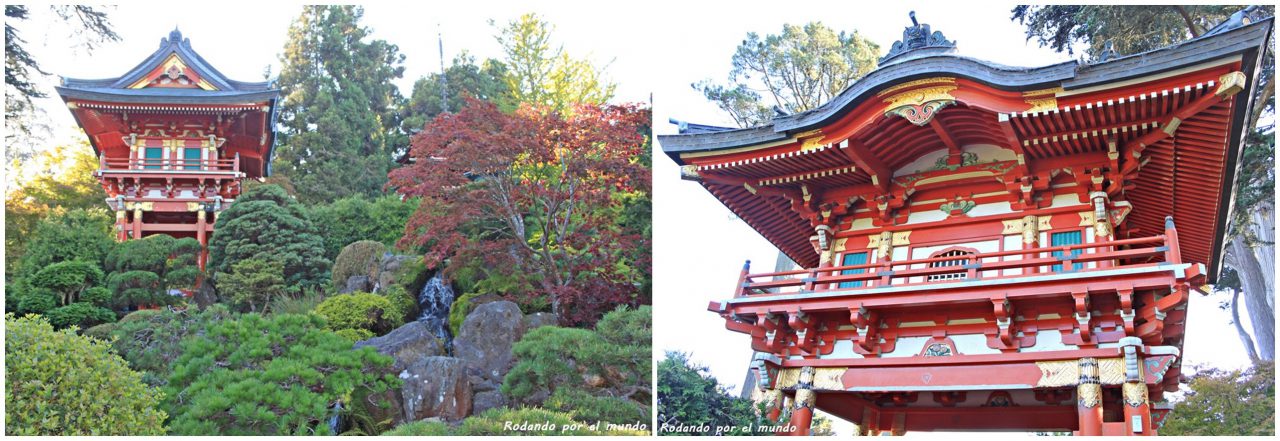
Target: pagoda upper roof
x=204, y=84
x=1231, y=38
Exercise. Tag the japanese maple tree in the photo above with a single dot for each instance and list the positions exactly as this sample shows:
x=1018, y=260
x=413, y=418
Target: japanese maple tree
x=536, y=194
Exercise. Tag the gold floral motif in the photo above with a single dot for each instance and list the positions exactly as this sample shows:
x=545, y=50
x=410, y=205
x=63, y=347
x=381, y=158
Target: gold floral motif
x=920, y=96
x=1089, y=391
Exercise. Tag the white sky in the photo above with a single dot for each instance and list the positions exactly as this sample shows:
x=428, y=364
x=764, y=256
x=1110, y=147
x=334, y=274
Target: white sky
x=701, y=245
x=654, y=49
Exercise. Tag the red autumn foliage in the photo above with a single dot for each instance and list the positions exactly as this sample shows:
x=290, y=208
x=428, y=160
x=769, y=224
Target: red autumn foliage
x=534, y=194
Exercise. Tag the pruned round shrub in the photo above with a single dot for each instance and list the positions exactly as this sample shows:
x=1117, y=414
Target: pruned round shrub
x=81, y=315
x=67, y=280
x=359, y=258
x=60, y=383
x=37, y=301
x=361, y=311
x=97, y=296
x=406, y=306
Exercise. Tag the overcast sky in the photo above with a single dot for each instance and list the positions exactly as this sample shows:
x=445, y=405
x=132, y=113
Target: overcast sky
x=653, y=49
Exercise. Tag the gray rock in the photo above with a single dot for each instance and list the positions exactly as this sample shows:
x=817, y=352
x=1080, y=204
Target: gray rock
x=485, y=341
x=436, y=387
x=486, y=400
x=387, y=269
x=539, y=319
x=355, y=284
x=406, y=344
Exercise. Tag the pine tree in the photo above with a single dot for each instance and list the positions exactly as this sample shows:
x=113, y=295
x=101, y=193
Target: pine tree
x=339, y=114
x=266, y=223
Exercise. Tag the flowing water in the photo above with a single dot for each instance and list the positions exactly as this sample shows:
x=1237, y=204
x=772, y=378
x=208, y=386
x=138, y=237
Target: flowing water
x=434, y=301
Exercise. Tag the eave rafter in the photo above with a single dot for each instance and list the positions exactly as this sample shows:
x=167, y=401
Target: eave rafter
x=1228, y=85
x=858, y=153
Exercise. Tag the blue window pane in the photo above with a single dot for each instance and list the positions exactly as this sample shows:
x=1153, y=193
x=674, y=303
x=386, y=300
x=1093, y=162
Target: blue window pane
x=853, y=259
x=191, y=159
x=1066, y=238
x=153, y=157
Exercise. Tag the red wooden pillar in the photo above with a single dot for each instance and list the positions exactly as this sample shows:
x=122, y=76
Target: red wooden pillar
x=802, y=414
x=1103, y=231
x=773, y=404
x=1089, y=402
x=137, y=221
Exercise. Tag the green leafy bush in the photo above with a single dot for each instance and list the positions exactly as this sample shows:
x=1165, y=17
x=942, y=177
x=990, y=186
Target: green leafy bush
x=458, y=312
x=403, y=302
x=413, y=274
x=150, y=340
x=359, y=258
x=36, y=301
x=268, y=375
x=361, y=310
x=81, y=315
x=253, y=283
x=60, y=383
x=357, y=218
x=97, y=296
x=266, y=223
x=83, y=235
x=688, y=395
x=355, y=335
x=601, y=375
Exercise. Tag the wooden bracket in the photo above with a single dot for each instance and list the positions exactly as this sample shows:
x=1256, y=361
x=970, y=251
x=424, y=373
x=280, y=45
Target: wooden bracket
x=805, y=332
x=1004, y=320
x=1126, y=309
x=1082, y=315
x=868, y=324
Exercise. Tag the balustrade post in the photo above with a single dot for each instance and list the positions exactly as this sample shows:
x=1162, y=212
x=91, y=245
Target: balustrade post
x=1172, y=253
x=738, y=291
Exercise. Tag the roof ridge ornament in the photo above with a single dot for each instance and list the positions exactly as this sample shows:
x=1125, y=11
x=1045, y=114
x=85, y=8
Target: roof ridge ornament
x=919, y=36
x=1108, y=53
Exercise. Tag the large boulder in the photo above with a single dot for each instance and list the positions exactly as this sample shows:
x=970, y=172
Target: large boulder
x=355, y=284
x=538, y=320
x=407, y=344
x=389, y=268
x=436, y=387
x=484, y=343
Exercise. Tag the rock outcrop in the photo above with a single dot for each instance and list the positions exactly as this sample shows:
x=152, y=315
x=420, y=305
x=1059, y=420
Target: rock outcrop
x=406, y=344
x=436, y=387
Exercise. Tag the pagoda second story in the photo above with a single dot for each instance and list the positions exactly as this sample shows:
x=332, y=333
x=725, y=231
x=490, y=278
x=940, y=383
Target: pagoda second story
x=175, y=139
x=985, y=247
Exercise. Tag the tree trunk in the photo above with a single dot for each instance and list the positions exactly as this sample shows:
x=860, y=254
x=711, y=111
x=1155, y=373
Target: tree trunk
x=1242, y=257
x=1244, y=336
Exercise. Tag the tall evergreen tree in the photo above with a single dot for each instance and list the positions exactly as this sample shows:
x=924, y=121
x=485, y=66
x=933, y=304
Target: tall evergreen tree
x=339, y=117
x=464, y=77
x=541, y=73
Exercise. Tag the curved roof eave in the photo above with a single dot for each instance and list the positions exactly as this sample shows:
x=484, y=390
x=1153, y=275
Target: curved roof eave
x=1069, y=74
x=168, y=96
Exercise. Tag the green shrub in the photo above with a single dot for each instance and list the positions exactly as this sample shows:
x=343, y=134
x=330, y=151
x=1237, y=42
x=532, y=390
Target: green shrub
x=150, y=340
x=36, y=301
x=360, y=258
x=100, y=332
x=98, y=296
x=421, y=428
x=297, y=304
x=253, y=283
x=604, y=375
x=405, y=305
x=143, y=271
x=356, y=218
x=83, y=235
x=81, y=315
x=268, y=375
x=60, y=383
x=67, y=280
x=266, y=223
x=355, y=335
x=413, y=275
x=361, y=311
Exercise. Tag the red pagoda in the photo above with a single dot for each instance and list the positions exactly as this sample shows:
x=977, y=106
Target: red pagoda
x=985, y=247
x=174, y=138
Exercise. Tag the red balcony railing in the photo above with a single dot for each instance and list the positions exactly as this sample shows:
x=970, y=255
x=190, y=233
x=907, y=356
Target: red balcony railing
x=170, y=165
x=978, y=266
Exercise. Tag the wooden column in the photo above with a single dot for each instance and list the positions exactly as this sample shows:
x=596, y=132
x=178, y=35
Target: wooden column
x=1137, y=407
x=137, y=221
x=802, y=413
x=1089, y=402
x=773, y=404
x=122, y=225
x=201, y=237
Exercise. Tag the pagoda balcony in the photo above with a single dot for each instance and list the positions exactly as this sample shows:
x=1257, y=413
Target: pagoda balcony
x=169, y=167
x=1069, y=271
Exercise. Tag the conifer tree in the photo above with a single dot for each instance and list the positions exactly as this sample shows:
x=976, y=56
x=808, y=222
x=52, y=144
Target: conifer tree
x=339, y=121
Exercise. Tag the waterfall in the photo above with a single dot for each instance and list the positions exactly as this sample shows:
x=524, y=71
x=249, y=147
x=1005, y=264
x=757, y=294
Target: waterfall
x=335, y=420
x=434, y=300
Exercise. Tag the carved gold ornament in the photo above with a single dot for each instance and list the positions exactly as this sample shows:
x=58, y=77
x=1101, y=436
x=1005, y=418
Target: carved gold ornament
x=1042, y=100
x=1135, y=394
x=1089, y=390
x=805, y=399
x=1230, y=84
